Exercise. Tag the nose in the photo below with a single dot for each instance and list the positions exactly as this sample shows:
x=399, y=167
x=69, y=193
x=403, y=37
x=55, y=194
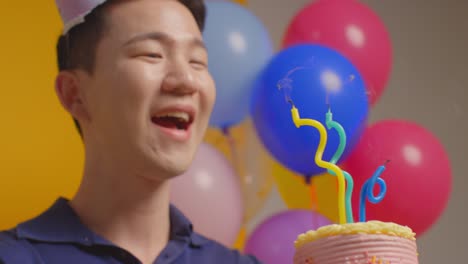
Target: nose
x=179, y=80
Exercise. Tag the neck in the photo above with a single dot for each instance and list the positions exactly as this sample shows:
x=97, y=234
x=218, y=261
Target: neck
x=124, y=208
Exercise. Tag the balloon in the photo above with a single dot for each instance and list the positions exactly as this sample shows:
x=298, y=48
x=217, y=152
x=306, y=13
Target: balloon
x=314, y=73
x=292, y=188
x=296, y=193
x=272, y=242
x=210, y=190
x=418, y=177
x=327, y=195
x=354, y=30
x=240, y=240
x=252, y=163
x=238, y=48
x=42, y=154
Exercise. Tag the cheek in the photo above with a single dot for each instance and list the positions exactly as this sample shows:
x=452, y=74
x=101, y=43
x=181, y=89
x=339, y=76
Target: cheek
x=209, y=93
x=135, y=86
x=121, y=99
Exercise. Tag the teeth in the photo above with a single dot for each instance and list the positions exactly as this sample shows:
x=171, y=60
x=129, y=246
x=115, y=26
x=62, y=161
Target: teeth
x=180, y=115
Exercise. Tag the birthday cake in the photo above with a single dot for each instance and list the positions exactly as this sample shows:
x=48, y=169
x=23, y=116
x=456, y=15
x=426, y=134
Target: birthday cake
x=364, y=242
x=371, y=242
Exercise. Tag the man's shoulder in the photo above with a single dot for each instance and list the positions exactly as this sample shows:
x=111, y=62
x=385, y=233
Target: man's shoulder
x=14, y=250
x=222, y=253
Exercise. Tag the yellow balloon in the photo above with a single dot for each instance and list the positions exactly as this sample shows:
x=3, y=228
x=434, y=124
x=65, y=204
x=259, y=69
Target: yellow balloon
x=321, y=195
x=327, y=195
x=41, y=155
x=293, y=189
x=220, y=141
x=240, y=242
x=252, y=163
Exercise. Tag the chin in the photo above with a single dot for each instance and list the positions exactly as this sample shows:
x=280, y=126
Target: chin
x=170, y=168
x=176, y=168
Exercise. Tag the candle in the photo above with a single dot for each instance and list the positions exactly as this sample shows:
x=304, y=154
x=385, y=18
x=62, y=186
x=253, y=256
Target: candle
x=298, y=121
x=331, y=124
x=368, y=191
x=285, y=85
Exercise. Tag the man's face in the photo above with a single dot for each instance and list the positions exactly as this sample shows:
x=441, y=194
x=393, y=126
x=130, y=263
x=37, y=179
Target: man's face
x=150, y=96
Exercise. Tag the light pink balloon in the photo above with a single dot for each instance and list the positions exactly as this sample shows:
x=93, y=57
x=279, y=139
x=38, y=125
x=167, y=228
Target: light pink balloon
x=209, y=194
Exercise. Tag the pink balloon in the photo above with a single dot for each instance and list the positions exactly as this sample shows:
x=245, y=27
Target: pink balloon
x=209, y=194
x=418, y=177
x=272, y=242
x=352, y=29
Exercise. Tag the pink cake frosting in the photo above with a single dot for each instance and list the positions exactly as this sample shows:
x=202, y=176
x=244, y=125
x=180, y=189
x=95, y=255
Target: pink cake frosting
x=359, y=243
x=359, y=248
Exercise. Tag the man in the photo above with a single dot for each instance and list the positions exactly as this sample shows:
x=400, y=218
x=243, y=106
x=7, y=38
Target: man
x=134, y=76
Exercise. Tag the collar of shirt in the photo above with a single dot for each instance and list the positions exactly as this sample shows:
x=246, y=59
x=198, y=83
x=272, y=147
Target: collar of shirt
x=60, y=224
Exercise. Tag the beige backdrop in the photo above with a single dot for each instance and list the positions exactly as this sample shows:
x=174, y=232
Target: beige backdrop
x=428, y=85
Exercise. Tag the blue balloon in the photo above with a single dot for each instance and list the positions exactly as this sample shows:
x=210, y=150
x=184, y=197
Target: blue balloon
x=239, y=47
x=314, y=77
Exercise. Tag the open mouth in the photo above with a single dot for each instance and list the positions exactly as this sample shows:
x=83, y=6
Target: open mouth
x=175, y=120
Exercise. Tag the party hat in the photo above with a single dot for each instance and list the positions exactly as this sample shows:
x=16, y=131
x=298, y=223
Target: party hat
x=73, y=12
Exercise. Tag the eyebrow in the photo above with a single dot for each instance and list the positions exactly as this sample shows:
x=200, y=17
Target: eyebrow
x=163, y=37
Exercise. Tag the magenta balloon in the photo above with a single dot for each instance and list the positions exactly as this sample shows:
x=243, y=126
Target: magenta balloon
x=209, y=194
x=272, y=242
x=354, y=30
x=418, y=178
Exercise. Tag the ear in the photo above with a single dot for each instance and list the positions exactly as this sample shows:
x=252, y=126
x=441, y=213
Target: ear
x=70, y=94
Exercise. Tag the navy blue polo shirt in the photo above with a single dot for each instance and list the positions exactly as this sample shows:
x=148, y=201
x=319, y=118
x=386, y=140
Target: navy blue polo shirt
x=58, y=237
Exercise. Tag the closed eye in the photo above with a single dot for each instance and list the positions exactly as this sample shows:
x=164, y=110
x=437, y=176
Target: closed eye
x=150, y=57
x=199, y=64
x=153, y=55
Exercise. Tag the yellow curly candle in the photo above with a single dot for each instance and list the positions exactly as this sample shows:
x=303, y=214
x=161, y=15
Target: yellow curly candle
x=298, y=121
